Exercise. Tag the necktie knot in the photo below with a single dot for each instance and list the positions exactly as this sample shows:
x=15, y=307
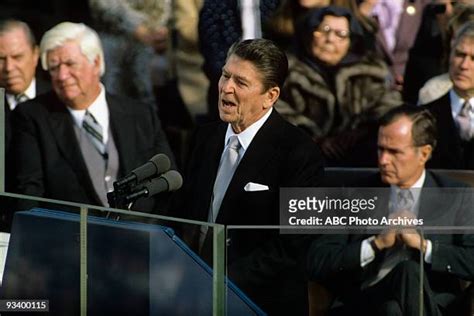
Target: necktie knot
x=234, y=143
x=466, y=109
x=19, y=98
x=405, y=200
x=465, y=122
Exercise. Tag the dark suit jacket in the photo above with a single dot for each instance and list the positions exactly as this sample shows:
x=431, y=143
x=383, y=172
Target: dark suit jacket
x=7, y=205
x=334, y=260
x=42, y=86
x=451, y=152
x=259, y=261
x=47, y=158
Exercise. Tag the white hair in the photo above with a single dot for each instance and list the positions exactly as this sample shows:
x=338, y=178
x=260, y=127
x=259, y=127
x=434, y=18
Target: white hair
x=86, y=37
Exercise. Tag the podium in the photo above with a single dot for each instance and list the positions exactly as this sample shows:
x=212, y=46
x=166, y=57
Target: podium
x=133, y=268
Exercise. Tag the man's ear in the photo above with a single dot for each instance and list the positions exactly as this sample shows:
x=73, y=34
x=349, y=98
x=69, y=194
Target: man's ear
x=97, y=64
x=271, y=96
x=36, y=54
x=425, y=153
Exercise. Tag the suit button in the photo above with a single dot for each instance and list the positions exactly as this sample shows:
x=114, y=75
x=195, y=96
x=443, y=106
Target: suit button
x=448, y=267
x=227, y=242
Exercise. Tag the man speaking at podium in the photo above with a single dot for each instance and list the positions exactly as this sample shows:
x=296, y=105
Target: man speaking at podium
x=72, y=143
x=236, y=170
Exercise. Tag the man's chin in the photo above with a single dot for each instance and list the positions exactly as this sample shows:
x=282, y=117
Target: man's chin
x=387, y=179
x=15, y=88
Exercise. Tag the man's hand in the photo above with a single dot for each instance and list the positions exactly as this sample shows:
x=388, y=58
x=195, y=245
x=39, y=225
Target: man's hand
x=386, y=239
x=412, y=239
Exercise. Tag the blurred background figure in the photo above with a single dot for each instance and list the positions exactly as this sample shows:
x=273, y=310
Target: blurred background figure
x=454, y=109
x=429, y=54
x=183, y=101
x=132, y=32
x=281, y=26
x=192, y=82
x=220, y=25
x=336, y=90
x=398, y=22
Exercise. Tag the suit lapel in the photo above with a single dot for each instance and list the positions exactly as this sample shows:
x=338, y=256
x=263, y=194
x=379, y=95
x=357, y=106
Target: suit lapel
x=122, y=124
x=62, y=126
x=213, y=149
x=256, y=157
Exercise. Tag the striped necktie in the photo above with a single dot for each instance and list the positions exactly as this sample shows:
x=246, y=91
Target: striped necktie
x=465, y=122
x=94, y=131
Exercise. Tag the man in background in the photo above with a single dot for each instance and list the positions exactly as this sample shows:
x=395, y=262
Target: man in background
x=18, y=60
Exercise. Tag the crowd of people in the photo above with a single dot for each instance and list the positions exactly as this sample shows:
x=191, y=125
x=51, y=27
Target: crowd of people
x=246, y=99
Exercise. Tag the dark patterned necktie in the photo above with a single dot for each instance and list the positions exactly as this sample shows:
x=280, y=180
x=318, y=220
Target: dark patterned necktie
x=19, y=98
x=94, y=131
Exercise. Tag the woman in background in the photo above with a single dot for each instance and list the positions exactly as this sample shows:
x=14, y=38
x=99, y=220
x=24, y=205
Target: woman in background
x=336, y=89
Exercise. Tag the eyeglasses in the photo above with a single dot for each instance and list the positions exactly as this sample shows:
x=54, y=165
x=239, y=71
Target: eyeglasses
x=326, y=30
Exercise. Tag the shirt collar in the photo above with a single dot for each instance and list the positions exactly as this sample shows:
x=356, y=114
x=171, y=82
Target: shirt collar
x=246, y=136
x=415, y=189
x=98, y=109
x=30, y=92
x=457, y=102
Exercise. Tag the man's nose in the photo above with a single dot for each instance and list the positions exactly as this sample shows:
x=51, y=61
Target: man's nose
x=9, y=63
x=63, y=72
x=227, y=86
x=383, y=157
x=467, y=62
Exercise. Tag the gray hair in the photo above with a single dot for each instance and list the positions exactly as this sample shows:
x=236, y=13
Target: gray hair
x=85, y=36
x=465, y=31
x=8, y=25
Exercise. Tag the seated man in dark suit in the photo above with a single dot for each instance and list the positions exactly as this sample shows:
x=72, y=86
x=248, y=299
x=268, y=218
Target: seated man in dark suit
x=18, y=60
x=72, y=143
x=454, y=111
x=380, y=274
x=235, y=171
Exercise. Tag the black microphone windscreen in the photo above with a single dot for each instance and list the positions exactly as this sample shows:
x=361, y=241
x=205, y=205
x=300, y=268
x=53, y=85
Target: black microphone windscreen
x=156, y=165
x=175, y=180
x=162, y=163
x=169, y=181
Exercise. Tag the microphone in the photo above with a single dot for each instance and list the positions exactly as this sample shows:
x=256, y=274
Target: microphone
x=168, y=181
x=156, y=165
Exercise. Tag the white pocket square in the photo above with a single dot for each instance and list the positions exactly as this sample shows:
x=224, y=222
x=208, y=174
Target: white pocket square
x=249, y=187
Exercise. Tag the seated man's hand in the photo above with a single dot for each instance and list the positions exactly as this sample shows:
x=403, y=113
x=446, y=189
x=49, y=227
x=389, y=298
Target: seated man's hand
x=386, y=239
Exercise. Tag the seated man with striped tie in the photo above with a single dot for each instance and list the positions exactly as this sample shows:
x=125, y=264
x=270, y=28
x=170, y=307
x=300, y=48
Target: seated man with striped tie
x=454, y=111
x=72, y=143
x=18, y=60
x=379, y=274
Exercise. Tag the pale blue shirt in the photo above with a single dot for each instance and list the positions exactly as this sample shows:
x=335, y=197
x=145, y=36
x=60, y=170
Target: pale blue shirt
x=456, y=106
